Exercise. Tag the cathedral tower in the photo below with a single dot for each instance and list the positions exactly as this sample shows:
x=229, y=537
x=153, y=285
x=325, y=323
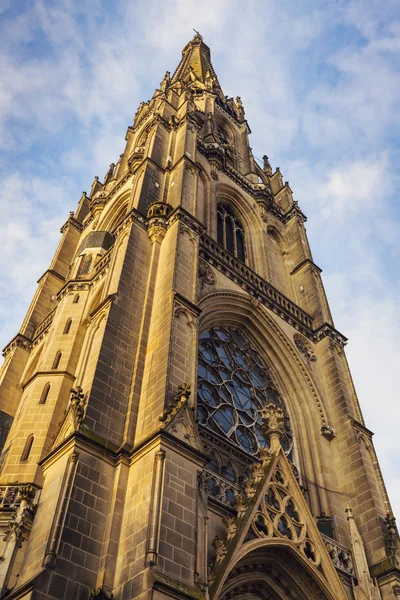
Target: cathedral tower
x=178, y=416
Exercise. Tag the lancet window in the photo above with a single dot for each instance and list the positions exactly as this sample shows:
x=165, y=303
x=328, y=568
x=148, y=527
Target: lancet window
x=230, y=231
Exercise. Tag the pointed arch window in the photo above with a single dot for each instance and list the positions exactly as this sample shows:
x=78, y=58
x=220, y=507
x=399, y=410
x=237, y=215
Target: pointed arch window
x=67, y=326
x=57, y=360
x=27, y=449
x=234, y=385
x=45, y=394
x=85, y=265
x=230, y=231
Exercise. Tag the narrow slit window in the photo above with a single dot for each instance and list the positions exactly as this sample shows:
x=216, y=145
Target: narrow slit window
x=76, y=299
x=45, y=394
x=27, y=449
x=67, y=326
x=57, y=360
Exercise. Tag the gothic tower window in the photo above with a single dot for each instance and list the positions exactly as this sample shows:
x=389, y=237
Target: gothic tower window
x=45, y=394
x=27, y=448
x=234, y=385
x=230, y=231
x=67, y=326
x=57, y=360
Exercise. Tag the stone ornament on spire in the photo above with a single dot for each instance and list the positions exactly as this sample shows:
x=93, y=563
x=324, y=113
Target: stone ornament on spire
x=240, y=109
x=267, y=166
x=165, y=82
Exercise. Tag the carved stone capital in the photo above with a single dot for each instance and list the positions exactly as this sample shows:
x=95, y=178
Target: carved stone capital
x=157, y=216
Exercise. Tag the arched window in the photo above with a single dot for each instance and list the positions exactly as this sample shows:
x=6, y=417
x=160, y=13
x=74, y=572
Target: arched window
x=57, y=359
x=27, y=448
x=76, y=299
x=45, y=393
x=234, y=385
x=85, y=265
x=67, y=326
x=230, y=231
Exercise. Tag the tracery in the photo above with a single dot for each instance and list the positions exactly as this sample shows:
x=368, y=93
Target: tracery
x=234, y=385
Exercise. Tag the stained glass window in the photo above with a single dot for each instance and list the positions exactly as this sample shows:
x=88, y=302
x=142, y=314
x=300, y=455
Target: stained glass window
x=234, y=385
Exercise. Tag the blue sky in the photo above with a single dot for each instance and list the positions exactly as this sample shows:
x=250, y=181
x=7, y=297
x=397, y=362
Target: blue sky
x=320, y=84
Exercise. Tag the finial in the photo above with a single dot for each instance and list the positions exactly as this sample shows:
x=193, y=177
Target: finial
x=239, y=106
x=198, y=35
x=273, y=419
x=267, y=165
x=165, y=82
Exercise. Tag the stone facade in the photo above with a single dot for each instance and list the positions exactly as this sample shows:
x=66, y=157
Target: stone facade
x=131, y=469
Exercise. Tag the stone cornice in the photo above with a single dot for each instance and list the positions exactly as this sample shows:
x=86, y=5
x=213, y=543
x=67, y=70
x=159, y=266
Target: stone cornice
x=134, y=216
x=50, y=374
x=53, y=273
x=327, y=330
x=303, y=263
x=360, y=427
x=182, y=215
x=294, y=211
x=185, y=302
x=73, y=223
x=20, y=341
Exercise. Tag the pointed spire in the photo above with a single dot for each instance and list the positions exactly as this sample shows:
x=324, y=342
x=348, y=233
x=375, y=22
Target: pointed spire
x=195, y=65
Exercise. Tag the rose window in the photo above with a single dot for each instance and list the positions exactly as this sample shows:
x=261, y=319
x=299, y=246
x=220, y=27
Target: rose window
x=234, y=386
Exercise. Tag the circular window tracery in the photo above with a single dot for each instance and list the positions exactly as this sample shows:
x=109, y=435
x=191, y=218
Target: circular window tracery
x=234, y=386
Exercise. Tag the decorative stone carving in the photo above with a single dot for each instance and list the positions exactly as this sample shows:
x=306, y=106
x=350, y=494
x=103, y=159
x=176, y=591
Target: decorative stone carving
x=396, y=590
x=304, y=347
x=26, y=498
x=273, y=418
x=267, y=166
x=210, y=574
x=100, y=594
x=157, y=215
x=206, y=275
x=231, y=527
x=214, y=170
x=220, y=549
x=182, y=396
x=340, y=555
x=77, y=402
x=240, y=506
x=249, y=487
x=392, y=540
x=328, y=432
